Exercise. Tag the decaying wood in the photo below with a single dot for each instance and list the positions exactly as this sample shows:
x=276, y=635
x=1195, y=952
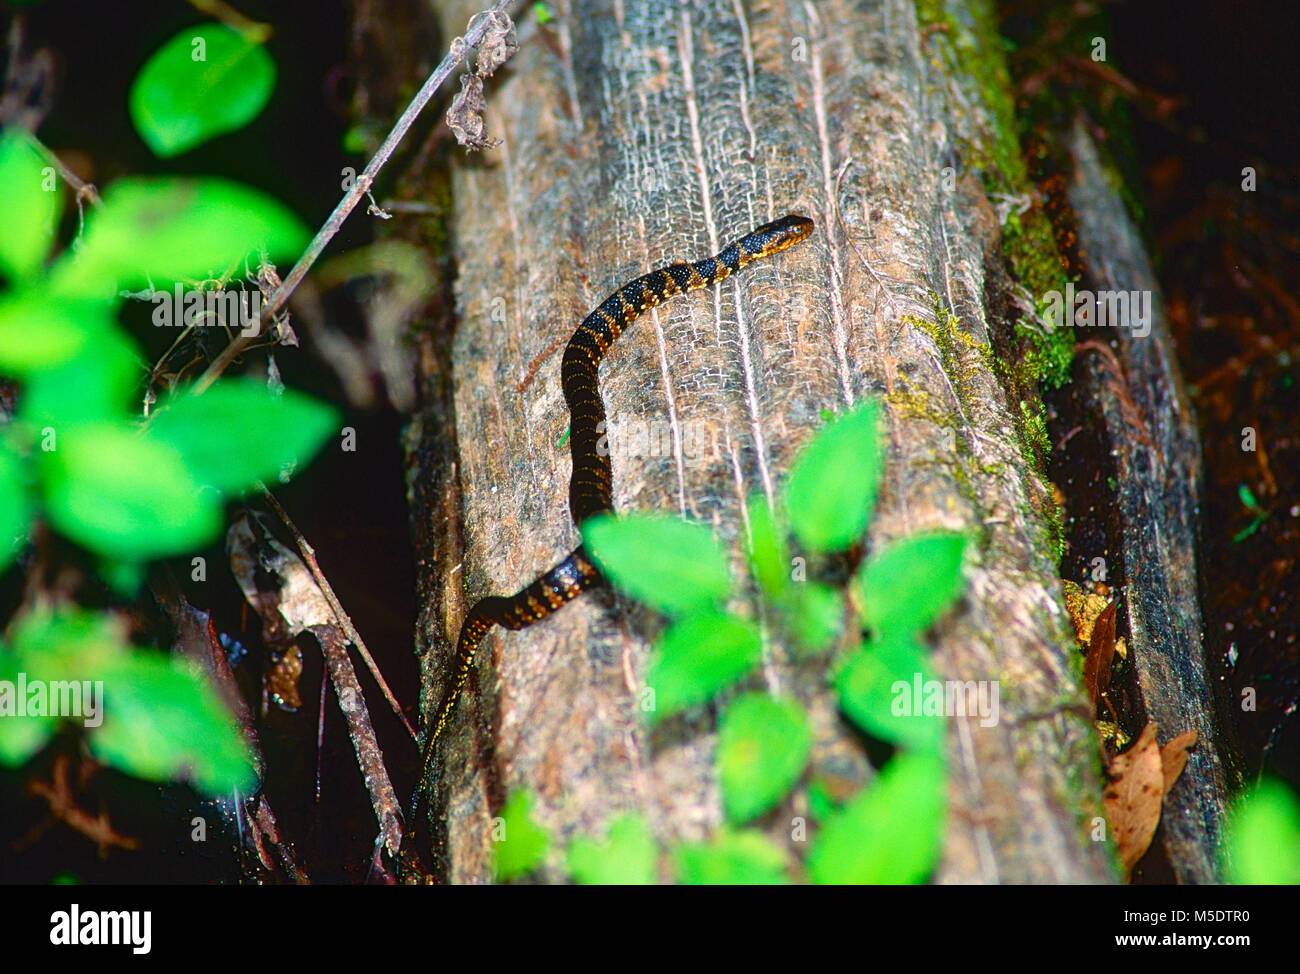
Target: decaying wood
x=1158, y=490
x=638, y=133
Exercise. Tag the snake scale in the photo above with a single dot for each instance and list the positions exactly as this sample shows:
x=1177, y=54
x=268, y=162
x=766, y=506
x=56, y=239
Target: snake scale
x=590, y=488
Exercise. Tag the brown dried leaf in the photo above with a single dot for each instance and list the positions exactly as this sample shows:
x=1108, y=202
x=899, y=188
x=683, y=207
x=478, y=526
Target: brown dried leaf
x=1173, y=757
x=1132, y=799
x=1084, y=608
x=1101, y=650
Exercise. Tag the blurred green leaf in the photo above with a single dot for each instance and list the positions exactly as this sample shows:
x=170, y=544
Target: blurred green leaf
x=1264, y=837
x=911, y=583
x=833, y=485
x=121, y=493
x=890, y=833
x=816, y=614
x=876, y=691
x=204, y=82
x=31, y=210
x=768, y=559
x=160, y=718
x=627, y=859
x=38, y=331
x=523, y=843
x=15, y=505
x=668, y=564
x=239, y=432
x=162, y=230
x=163, y=722
x=699, y=656
x=763, y=747
x=746, y=858
x=93, y=385
x=21, y=735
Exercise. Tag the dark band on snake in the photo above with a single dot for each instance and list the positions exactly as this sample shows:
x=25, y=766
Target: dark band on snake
x=591, y=486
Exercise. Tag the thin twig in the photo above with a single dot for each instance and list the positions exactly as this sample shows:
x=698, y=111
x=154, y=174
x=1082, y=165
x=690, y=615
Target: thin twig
x=361, y=188
x=344, y=620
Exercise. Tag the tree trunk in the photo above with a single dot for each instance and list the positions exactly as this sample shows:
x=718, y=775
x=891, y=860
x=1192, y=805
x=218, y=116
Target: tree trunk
x=636, y=133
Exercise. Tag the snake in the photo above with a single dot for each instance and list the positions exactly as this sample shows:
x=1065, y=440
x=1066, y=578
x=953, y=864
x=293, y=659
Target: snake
x=591, y=483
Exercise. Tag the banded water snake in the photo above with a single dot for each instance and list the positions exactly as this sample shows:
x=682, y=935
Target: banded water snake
x=590, y=487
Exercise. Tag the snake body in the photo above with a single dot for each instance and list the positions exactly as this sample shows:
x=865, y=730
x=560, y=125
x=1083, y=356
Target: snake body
x=591, y=485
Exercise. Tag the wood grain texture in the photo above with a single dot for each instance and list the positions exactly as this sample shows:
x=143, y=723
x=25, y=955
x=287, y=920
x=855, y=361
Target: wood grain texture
x=638, y=133
x=1158, y=494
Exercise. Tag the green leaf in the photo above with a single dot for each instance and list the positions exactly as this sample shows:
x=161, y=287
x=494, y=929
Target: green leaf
x=876, y=691
x=38, y=331
x=50, y=649
x=163, y=722
x=523, y=843
x=816, y=614
x=746, y=858
x=669, y=564
x=20, y=736
x=163, y=230
x=911, y=583
x=768, y=559
x=890, y=833
x=763, y=747
x=627, y=859
x=698, y=657
x=240, y=432
x=202, y=83
x=15, y=505
x=1264, y=837
x=832, y=487
x=123, y=494
x=94, y=384
x=160, y=719
x=31, y=211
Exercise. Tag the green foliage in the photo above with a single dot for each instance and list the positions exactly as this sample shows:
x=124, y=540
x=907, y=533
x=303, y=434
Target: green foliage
x=687, y=573
x=891, y=832
x=522, y=843
x=202, y=83
x=160, y=718
x=908, y=585
x=627, y=859
x=125, y=495
x=816, y=615
x=240, y=432
x=76, y=455
x=746, y=858
x=1263, y=842
x=163, y=230
x=698, y=657
x=833, y=485
x=38, y=331
x=763, y=747
x=15, y=505
x=870, y=684
x=31, y=211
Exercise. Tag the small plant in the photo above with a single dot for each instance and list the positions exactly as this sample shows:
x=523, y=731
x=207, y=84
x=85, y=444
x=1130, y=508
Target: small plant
x=77, y=455
x=891, y=831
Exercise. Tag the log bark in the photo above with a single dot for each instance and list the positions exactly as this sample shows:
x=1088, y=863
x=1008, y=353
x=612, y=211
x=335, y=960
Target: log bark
x=1159, y=486
x=637, y=133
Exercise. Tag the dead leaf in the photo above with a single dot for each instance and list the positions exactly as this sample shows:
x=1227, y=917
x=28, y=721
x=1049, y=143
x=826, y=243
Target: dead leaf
x=1173, y=757
x=1132, y=799
x=1101, y=651
x=1084, y=608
